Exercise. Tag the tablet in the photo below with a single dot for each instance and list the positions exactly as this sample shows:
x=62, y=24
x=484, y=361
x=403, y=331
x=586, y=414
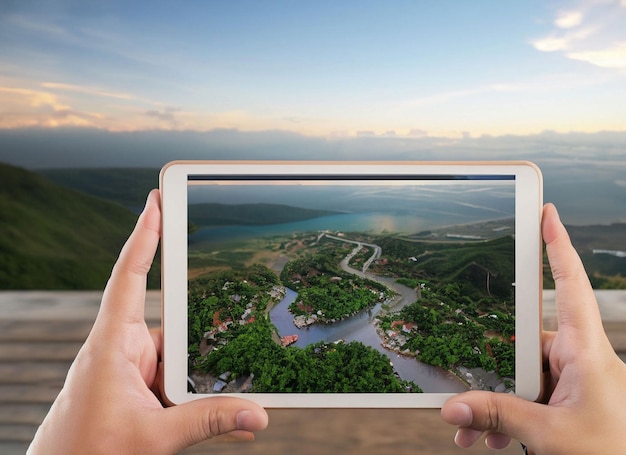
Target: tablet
x=350, y=284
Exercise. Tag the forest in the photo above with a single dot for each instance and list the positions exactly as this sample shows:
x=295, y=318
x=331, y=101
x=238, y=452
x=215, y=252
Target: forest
x=318, y=368
x=224, y=297
x=228, y=312
x=327, y=291
x=465, y=316
x=447, y=329
x=466, y=311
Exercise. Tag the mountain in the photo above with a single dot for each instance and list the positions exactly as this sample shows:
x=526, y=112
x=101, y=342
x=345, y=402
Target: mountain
x=127, y=186
x=57, y=238
x=212, y=214
x=599, y=195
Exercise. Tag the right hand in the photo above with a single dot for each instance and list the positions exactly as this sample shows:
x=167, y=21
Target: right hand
x=585, y=383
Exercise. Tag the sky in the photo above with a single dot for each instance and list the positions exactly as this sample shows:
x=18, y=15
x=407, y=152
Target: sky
x=324, y=69
x=139, y=83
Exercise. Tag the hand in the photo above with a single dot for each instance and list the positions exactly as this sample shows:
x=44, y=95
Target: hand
x=110, y=402
x=585, y=383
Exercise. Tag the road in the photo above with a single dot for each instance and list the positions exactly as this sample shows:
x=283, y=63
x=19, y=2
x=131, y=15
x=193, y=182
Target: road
x=359, y=245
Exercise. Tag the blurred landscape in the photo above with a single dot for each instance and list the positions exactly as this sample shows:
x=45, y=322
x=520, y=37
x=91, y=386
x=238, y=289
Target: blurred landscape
x=57, y=237
x=62, y=228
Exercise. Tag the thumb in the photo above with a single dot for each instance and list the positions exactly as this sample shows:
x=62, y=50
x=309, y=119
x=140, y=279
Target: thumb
x=475, y=412
x=575, y=301
x=193, y=422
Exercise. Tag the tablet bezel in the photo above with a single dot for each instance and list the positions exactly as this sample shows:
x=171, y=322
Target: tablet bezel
x=528, y=263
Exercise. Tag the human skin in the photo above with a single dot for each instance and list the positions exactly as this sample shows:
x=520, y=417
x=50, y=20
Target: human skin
x=111, y=401
x=583, y=406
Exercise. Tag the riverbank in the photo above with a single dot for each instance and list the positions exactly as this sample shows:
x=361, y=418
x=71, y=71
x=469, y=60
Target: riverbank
x=361, y=327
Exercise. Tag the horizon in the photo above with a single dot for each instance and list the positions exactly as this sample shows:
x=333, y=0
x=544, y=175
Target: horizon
x=584, y=174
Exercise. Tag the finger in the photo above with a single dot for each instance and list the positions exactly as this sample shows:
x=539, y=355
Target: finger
x=497, y=441
x=547, y=338
x=157, y=338
x=466, y=437
x=575, y=301
x=190, y=423
x=476, y=411
x=549, y=378
x=124, y=296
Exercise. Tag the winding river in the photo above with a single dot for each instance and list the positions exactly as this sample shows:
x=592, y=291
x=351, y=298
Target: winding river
x=360, y=327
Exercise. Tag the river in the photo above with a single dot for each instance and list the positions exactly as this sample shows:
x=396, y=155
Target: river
x=360, y=327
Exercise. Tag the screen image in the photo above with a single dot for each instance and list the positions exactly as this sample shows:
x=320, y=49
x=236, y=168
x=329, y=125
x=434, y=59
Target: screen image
x=351, y=284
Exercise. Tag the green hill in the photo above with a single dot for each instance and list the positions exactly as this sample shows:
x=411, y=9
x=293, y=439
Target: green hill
x=480, y=269
x=212, y=214
x=127, y=186
x=56, y=238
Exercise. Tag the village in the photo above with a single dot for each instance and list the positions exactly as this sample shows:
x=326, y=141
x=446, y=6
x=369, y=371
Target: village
x=334, y=283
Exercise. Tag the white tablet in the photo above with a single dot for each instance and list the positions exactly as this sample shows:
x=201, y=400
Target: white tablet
x=350, y=284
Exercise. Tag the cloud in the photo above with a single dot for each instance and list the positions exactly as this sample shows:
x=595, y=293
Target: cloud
x=22, y=107
x=550, y=43
x=568, y=19
x=29, y=97
x=416, y=132
x=559, y=41
x=166, y=114
x=30, y=25
x=92, y=91
x=594, y=34
x=612, y=57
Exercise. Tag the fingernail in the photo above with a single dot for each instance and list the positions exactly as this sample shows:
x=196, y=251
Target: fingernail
x=556, y=213
x=457, y=439
x=497, y=441
x=466, y=437
x=462, y=415
x=151, y=195
x=244, y=420
x=251, y=421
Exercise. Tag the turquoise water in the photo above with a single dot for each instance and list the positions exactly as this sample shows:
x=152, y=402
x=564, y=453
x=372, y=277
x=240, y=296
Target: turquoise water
x=375, y=222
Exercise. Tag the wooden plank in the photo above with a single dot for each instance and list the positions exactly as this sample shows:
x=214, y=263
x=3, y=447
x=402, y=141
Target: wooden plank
x=44, y=330
x=65, y=305
x=29, y=393
x=13, y=447
x=23, y=414
x=33, y=372
x=42, y=350
x=17, y=433
x=616, y=331
x=37, y=330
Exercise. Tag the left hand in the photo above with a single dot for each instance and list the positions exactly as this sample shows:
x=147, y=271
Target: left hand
x=111, y=402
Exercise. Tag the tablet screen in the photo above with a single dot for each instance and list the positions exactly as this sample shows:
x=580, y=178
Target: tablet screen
x=351, y=284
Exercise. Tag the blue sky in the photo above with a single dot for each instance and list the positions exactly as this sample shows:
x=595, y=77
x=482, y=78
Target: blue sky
x=326, y=68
